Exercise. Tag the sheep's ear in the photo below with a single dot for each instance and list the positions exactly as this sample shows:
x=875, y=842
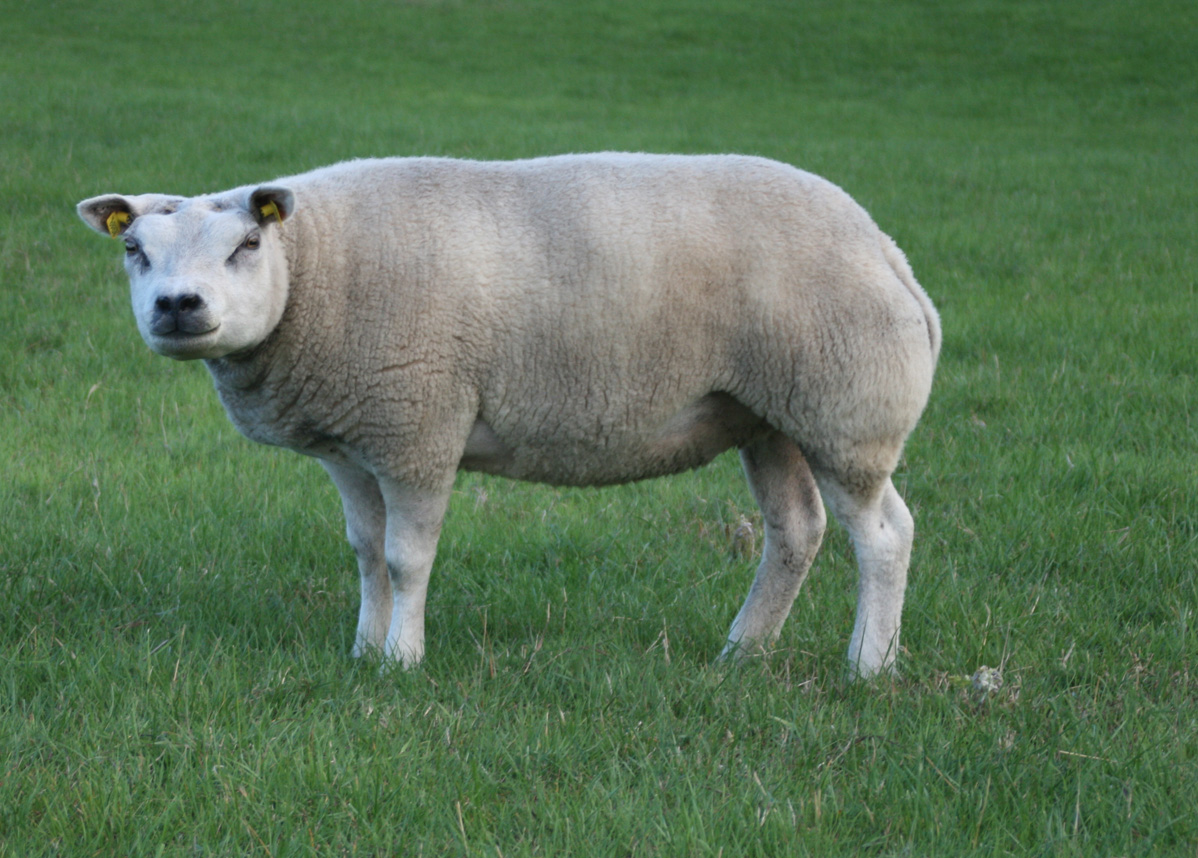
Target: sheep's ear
x=271, y=203
x=110, y=214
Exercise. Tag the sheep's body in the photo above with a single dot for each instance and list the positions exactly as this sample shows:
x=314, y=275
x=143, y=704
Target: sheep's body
x=576, y=320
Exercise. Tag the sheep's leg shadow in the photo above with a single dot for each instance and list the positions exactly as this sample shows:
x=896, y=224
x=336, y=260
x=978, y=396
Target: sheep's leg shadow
x=882, y=531
x=793, y=514
x=366, y=528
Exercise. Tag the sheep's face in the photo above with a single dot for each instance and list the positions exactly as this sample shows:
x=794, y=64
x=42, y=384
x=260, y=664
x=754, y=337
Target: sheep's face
x=208, y=275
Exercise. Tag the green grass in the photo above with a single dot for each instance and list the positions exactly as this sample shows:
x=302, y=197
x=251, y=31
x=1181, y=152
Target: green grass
x=177, y=605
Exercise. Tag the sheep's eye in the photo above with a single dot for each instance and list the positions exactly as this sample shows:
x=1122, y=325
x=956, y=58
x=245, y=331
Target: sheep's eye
x=251, y=243
x=130, y=246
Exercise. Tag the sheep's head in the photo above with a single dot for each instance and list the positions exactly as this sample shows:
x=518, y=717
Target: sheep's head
x=208, y=275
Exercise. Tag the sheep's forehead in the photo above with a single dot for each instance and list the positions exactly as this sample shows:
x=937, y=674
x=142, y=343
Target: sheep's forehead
x=194, y=228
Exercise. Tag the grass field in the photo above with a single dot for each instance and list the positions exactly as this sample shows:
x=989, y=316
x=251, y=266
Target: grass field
x=177, y=604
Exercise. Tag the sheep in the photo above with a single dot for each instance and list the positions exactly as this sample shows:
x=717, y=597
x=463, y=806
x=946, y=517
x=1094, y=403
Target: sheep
x=574, y=320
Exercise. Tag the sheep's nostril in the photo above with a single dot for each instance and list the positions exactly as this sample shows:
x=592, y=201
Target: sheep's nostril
x=188, y=303
x=180, y=314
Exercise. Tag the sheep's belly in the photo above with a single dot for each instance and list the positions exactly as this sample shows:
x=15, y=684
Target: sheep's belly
x=690, y=437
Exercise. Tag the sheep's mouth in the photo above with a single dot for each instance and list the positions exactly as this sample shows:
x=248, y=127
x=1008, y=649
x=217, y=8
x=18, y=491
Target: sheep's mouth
x=179, y=335
x=184, y=345
x=192, y=324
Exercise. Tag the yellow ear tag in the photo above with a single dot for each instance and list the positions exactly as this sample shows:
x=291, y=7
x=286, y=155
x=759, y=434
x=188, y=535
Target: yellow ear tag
x=116, y=222
x=269, y=210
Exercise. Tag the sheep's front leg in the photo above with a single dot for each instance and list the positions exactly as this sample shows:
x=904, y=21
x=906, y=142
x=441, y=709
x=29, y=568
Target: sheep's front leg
x=414, y=518
x=366, y=527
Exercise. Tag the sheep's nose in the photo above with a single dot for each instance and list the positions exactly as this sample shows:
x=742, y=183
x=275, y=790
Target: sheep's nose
x=178, y=304
x=185, y=313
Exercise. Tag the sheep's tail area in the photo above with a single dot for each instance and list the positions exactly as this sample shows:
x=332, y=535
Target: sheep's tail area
x=898, y=261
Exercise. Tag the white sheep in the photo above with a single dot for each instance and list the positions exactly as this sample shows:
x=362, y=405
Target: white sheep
x=574, y=320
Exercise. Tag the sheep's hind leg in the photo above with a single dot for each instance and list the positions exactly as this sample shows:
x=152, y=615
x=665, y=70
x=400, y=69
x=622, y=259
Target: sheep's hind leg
x=366, y=527
x=794, y=519
x=882, y=531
